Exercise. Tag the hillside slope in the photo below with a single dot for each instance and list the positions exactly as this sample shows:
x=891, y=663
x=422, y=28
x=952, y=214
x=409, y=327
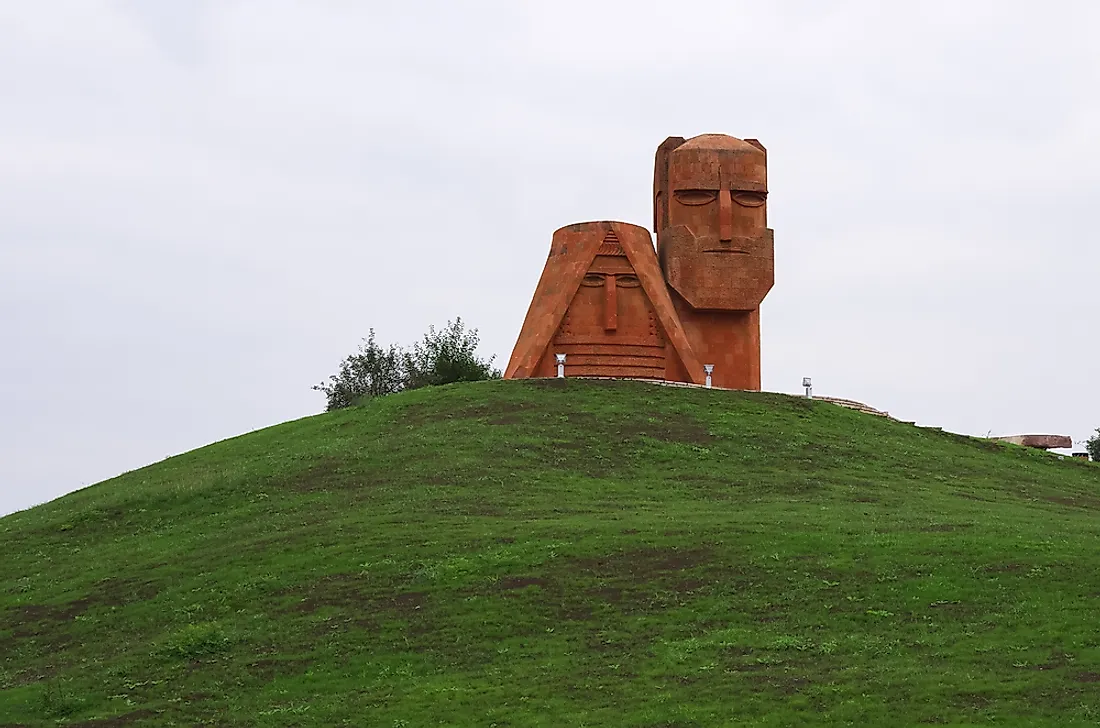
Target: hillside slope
x=549, y=553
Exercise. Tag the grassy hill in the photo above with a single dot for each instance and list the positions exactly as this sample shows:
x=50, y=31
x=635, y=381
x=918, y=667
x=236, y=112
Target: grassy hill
x=549, y=553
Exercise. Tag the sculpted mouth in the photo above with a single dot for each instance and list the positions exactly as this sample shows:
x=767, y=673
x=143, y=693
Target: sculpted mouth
x=739, y=245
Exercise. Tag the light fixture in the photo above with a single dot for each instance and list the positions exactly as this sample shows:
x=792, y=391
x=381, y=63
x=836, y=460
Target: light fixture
x=561, y=365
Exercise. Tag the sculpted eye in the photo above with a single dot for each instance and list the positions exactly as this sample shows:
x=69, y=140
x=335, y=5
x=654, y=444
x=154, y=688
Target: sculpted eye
x=696, y=197
x=593, y=280
x=627, y=281
x=748, y=199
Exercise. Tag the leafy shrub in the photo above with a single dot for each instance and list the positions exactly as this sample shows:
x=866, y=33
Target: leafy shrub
x=1093, y=446
x=441, y=357
x=373, y=371
x=447, y=356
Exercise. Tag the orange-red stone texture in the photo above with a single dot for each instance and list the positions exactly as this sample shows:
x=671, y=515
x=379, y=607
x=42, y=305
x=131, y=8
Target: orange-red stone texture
x=715, y=248
x=602, y=302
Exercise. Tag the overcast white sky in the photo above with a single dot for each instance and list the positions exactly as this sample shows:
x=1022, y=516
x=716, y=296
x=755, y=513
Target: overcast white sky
x=205, y=205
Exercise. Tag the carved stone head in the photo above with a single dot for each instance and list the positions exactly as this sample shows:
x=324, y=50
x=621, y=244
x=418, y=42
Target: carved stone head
x=603, y=303
x=610, y=306
x=710, y=215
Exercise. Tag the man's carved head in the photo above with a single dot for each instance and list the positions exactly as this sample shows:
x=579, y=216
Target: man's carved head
x=710, y=215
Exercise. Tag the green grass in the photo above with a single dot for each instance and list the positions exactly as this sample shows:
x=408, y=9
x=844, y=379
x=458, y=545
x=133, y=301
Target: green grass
x=548, y=553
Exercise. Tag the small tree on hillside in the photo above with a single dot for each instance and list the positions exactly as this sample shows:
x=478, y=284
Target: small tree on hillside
x=373, y=371
x=447, y=356
x=1093, y=446
x=441, y=357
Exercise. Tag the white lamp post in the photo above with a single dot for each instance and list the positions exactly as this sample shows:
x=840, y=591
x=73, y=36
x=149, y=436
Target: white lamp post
x=561, y=365
x=709, y=369
x=809, y=387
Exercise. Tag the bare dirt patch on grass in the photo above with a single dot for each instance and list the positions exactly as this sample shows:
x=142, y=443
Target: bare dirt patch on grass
x=1079, y=501
x=581, y=588
x=48, y=620
x=353, y=595
x=780, y=683
x=324, y=474
x=609, y=594
x=1054, y=662
x=1005, y=568
x=119, y=592
x=116, y=721
x=508, y=583
x=972, y=497
x=641, y=579
x=269, y=668
x=29, y=619
x=640, y=565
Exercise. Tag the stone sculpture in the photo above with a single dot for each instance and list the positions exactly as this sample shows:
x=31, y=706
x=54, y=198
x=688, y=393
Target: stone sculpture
x=710, y=215
x=615, y=307
x=603, y=303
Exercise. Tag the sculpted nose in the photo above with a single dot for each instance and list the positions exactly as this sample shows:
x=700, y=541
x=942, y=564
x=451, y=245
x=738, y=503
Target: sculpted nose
x=725, y=215
x=610, y=304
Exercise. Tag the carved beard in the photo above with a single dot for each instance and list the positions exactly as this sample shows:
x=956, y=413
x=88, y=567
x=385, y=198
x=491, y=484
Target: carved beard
x=712, y=274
